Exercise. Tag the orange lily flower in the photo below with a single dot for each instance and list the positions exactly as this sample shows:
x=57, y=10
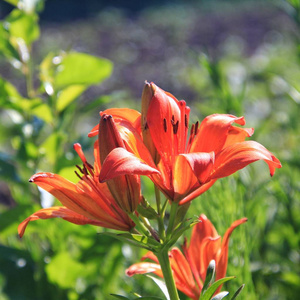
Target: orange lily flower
x=126, y=189
x=189, y=267
x=187, y=166
x=87, y=202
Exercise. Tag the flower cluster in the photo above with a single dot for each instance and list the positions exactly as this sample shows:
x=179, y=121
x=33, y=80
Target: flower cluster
x=189, y=267
x=183, y=162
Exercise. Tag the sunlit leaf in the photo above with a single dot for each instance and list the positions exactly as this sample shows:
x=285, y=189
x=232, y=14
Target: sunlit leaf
x=212, y=289
x=161, y=285
x=220, y=296
x=68, y=95
x=63, y=270
x=12, y=2
x=82, y=69
x=68, y=173
x=114, y=296
x=8, y=93
x=23, y=26
x=5, y=46
x=51, y=147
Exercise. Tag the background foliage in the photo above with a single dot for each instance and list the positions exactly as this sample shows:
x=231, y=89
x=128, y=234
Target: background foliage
x=239, y=57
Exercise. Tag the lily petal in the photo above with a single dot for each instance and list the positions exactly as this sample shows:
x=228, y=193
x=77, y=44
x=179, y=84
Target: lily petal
x=239, y=155
x=223, y=259
x=201, y=164
x=183, y=275
x=197, y=192
x=143, y=268
x=130, y=115
x=57, y=212
x=213, y=132
x=83, y=200
x=121, y=162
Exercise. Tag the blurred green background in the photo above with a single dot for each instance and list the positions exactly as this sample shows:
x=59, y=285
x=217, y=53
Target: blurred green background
x=63, y=61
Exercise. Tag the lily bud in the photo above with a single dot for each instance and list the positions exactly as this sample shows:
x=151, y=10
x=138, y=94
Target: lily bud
x=148, y=93
x=126, y=189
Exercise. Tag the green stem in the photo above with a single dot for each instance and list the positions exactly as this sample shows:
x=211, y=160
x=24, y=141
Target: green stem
x=140, y=226
x=160, y=218
x=173, y=213
x=157, y=197
x=165, y=265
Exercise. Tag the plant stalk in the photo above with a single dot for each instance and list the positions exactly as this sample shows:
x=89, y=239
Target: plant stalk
x=165, y=265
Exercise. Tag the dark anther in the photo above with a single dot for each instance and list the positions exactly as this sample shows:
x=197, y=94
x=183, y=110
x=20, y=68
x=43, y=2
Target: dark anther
x=175, y=127
x=85, y=171
x=89, y=165
x=78, y=175
x=79, y=169
x=165, y=125
x=196, y=127
x=192, y=130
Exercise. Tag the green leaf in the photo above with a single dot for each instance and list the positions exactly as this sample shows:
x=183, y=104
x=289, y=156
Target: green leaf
x=220, y=296
x=81, y=69
x=68, y=173
x=161, y=284
x=23, y=26
x=146, y=210
x=42, y=111
x=68, y=95
x=64, y=271
x=133, y=239
x=210, y=272
x=35, y=107
x=179, y=231
x=8, y=93
x=12, y=2
x=11, y=99
x=212, y=289
x=238, y=292
x=149, y=298
x=51, y=147
x=5, y=46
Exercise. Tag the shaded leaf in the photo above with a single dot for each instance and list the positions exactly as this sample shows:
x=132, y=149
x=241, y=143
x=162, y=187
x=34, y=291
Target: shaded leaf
x=238, y=292
x=210, y=272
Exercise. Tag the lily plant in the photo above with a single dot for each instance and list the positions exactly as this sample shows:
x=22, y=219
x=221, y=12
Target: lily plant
x=182, y=161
